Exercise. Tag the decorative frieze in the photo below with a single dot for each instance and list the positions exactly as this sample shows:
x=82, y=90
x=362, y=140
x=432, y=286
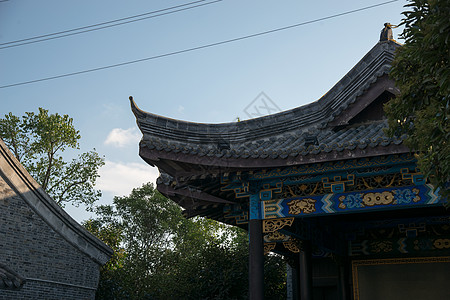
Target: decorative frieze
x=268, y=190
x=412, y=230
x=338, y=184
x=353, y=183
x=272, y=225
x=389, y=198
x=292, y=245
x=414, y=177
x=276, y=236
x=414, y=238
x=269, y=247
x=298, y=206
x=240, y=189
x=335, y=166
x=237, y=212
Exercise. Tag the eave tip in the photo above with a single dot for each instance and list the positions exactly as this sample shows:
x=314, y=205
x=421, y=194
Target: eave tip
x=134, y=108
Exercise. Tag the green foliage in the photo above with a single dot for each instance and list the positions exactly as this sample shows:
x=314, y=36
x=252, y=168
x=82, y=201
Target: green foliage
x=15, y=136
x=162, y=255
x=275, y=277
x=37, y=141
x=111, y=234
x=421, y=72
x=211, y=263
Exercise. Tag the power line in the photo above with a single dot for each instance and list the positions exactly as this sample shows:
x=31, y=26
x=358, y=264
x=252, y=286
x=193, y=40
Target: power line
x=199, y=47
x=99, y=26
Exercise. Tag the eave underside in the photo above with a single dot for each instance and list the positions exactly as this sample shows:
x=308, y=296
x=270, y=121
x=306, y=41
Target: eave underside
x=204, y=193
x=183, y=165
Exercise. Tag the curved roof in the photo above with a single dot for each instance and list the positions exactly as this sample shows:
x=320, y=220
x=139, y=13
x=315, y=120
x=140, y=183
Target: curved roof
x=319, y=131
x=21, y=182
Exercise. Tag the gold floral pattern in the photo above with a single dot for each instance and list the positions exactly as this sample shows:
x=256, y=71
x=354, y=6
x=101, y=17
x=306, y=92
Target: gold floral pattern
x=383, y=198
x=276, y=236
x=381, y=246
x=298, y=206
x=292, y=246
x=269, y=247
x=272, y=225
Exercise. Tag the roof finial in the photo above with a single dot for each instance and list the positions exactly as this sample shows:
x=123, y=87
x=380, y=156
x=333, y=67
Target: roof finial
x=386, y=32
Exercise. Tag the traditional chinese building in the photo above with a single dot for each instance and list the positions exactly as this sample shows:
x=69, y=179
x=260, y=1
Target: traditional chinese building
x=320, y=184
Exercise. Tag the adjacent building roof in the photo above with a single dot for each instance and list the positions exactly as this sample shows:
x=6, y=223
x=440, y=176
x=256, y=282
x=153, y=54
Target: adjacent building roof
x=21, y=182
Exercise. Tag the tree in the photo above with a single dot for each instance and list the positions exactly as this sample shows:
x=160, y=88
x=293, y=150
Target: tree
x=421, y=72
x=109, y=284
x=211, y=262
x=147, y=223
x=166, y=256
x=37, y=141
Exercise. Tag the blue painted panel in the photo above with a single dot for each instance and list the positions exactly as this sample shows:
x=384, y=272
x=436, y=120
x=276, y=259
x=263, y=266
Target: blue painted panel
x=352, y=202
x=255, y=207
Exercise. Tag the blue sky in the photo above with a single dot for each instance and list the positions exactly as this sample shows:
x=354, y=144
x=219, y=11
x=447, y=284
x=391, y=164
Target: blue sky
x=292, y=67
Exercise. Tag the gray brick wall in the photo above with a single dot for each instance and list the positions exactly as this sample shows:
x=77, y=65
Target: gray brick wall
x=54, y=268
x=48, y=291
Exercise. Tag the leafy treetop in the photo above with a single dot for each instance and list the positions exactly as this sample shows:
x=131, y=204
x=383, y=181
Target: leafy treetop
x=421, y=72
x=37, y=141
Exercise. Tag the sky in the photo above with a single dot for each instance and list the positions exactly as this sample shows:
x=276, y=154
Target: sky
x=283, y=69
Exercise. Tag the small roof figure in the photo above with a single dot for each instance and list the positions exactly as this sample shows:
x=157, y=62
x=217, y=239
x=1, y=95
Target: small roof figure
x=386, y=32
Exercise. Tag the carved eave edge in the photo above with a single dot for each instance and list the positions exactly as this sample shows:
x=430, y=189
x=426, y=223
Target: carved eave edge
x=21, y=182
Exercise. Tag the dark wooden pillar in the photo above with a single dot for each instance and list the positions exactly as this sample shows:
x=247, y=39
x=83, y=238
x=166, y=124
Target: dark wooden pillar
x=305, y=270
x=344, y=289
x=256, y=260
x=256, y=255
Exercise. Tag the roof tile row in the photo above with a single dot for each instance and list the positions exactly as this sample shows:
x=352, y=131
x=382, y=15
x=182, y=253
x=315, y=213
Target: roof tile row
x=282, y=146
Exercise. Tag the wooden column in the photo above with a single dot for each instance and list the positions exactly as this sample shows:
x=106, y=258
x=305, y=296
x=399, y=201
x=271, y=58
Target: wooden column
x=305, y=270
x=256, y=251
x=256, y=263
x=343, y=280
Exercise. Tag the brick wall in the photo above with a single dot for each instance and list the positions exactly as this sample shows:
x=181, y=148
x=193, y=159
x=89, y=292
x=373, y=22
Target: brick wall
x=53, y=268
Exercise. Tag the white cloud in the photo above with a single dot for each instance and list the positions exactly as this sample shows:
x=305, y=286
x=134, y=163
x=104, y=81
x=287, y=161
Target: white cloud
x=120, y=138
x=120, y=178
x=180, y=109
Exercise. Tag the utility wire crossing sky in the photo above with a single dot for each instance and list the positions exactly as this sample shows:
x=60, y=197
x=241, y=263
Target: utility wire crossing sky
x=184, y=50
x=99, y=26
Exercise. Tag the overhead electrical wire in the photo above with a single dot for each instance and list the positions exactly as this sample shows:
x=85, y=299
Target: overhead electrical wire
x=199, y=47
x=108, y=22
x=99, y=26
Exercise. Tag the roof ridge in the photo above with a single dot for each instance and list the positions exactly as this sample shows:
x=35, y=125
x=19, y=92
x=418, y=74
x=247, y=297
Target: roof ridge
x=43, y=205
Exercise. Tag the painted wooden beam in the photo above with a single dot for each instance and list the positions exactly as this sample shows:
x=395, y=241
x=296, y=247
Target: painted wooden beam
x=256, y=251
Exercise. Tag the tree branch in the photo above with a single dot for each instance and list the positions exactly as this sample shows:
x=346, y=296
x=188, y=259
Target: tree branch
x=60, y=200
